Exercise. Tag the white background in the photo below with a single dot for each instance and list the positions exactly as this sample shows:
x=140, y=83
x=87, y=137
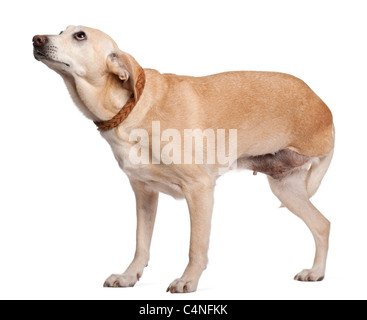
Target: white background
x=67, y=213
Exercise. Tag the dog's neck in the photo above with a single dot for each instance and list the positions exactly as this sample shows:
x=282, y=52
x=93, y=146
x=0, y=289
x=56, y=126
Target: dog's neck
x=127, y=108
x=97, y=102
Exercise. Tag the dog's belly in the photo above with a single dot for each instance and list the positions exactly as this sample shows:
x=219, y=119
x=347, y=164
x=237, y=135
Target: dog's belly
x=277, y=165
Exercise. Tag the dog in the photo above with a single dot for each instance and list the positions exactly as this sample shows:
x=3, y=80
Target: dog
x=281, y=129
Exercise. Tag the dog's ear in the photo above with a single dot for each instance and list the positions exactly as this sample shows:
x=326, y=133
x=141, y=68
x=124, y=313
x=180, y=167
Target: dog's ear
x=126, y=68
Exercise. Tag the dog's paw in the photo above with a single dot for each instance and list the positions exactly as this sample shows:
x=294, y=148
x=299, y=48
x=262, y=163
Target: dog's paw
x=310, y=275
x=121, y=280
x=182, y=286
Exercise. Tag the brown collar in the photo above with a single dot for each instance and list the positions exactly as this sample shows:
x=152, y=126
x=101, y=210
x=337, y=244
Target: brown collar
x=126, y=109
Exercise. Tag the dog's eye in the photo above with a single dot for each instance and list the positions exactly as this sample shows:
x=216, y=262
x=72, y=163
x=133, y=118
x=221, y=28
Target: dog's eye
x=61, y=32
x=80, y=36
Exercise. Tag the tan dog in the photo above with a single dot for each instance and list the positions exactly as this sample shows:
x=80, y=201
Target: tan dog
x=283, y=130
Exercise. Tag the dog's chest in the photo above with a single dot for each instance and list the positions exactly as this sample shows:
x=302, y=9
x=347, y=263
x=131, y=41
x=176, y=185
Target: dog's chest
x=124, y=152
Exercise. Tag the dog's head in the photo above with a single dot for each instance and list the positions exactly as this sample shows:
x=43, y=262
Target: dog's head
x=89, y=61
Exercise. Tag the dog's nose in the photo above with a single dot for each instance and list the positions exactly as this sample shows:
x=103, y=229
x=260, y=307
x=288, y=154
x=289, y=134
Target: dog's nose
x=39, y=41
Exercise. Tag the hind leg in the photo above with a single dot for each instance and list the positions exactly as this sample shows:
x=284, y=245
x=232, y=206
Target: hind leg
x=292, y=192
x=317, y=173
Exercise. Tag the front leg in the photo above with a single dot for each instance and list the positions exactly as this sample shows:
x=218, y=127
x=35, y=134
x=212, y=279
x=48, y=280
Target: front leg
x=199, y=197
x=146, y=208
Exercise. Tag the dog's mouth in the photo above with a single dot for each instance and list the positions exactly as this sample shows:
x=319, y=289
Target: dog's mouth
x=41, y=55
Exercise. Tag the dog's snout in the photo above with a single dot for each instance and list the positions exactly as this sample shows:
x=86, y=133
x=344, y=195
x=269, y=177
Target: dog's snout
x=39, y=41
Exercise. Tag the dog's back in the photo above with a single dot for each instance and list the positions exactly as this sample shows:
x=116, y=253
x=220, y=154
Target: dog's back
x=276, y=108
